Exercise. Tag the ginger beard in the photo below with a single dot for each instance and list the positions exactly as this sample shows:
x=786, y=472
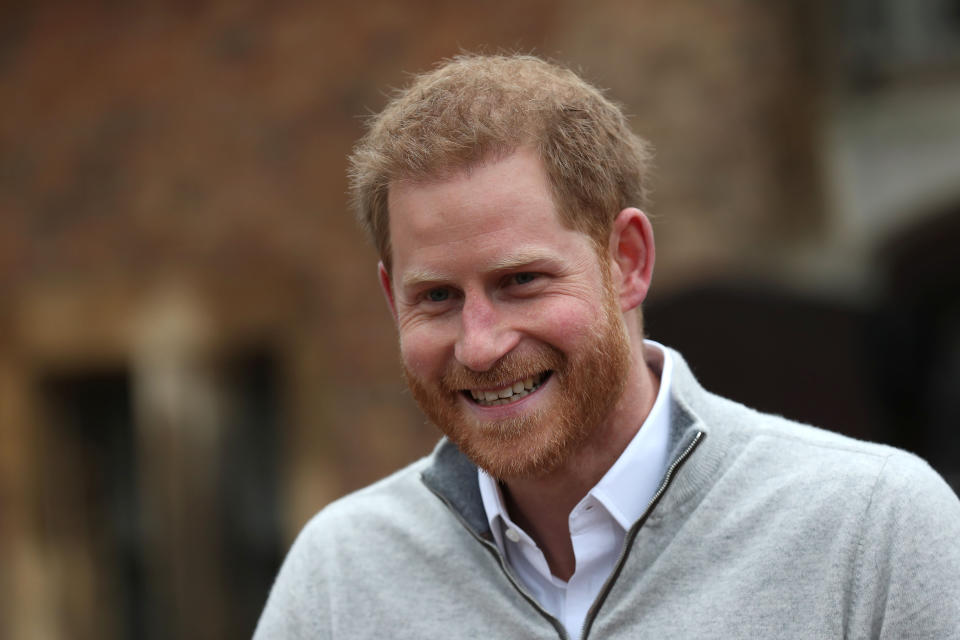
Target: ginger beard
x=588, y=385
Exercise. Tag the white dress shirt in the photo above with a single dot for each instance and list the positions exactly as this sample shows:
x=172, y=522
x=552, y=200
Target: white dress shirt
x=599, y=522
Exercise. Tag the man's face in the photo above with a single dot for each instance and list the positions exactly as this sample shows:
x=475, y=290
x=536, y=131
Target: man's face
x=511, y=335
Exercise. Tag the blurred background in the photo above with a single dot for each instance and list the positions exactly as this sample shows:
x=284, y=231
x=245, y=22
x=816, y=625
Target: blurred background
x=194, y=353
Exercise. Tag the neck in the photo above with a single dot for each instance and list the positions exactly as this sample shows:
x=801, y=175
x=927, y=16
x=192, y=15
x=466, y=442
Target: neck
x=542, y=505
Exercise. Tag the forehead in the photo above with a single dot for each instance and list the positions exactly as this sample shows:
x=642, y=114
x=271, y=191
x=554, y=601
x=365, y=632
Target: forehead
x=506, y=192
x=495, y=216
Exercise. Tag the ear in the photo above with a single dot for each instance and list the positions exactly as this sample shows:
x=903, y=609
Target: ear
x=387, y=286
x=632, y=256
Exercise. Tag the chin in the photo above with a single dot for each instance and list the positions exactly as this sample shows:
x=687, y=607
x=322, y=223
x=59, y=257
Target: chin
x=528, y=446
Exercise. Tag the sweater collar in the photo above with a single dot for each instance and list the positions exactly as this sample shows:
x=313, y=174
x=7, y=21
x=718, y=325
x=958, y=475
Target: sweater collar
x=453, y=478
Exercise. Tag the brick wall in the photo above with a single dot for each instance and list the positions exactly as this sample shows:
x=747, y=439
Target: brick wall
x=199, y=147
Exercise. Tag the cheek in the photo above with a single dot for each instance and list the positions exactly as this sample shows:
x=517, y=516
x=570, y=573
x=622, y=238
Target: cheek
x=422, y=352
x=565, y=324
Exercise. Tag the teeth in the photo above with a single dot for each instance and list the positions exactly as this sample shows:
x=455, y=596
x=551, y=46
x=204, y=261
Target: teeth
x=507, y=394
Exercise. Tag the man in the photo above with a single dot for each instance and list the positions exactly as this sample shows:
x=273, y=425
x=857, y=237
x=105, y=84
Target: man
x=587, y=486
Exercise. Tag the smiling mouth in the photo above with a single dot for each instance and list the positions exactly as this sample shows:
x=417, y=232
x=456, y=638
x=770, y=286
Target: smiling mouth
x=509, y=393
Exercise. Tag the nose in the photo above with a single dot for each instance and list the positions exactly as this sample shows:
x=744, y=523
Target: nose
x=485, y=334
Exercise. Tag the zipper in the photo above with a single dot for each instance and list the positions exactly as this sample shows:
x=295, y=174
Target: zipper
x=634, y=530
x=557, y=625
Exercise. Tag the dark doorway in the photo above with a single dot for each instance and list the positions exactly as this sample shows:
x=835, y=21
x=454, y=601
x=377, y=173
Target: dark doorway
x=94, y=514
x=89, y=502
x=249, y=491
x=802, y=357
x=919, y=334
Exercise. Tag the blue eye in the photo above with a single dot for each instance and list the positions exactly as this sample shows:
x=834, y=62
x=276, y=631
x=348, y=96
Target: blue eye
x=438, y=295
x=524, y=278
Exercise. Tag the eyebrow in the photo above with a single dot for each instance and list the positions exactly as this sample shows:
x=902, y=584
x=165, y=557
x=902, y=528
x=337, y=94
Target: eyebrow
x=523, y=258
x=417, y=277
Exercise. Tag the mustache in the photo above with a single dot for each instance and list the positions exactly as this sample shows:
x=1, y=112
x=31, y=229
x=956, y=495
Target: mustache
x=509, y=369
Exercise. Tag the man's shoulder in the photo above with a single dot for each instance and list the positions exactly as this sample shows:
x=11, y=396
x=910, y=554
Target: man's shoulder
x=388, y=522
x=369, y=560
x=812, y=476
x=781, y=445
x=392, y=498
x=784, y=444
x=829, y=469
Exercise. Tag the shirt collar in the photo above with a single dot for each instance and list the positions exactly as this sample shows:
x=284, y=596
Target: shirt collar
x=628, y=486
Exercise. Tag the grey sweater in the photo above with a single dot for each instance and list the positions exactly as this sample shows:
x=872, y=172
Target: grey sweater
x=763, y=528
